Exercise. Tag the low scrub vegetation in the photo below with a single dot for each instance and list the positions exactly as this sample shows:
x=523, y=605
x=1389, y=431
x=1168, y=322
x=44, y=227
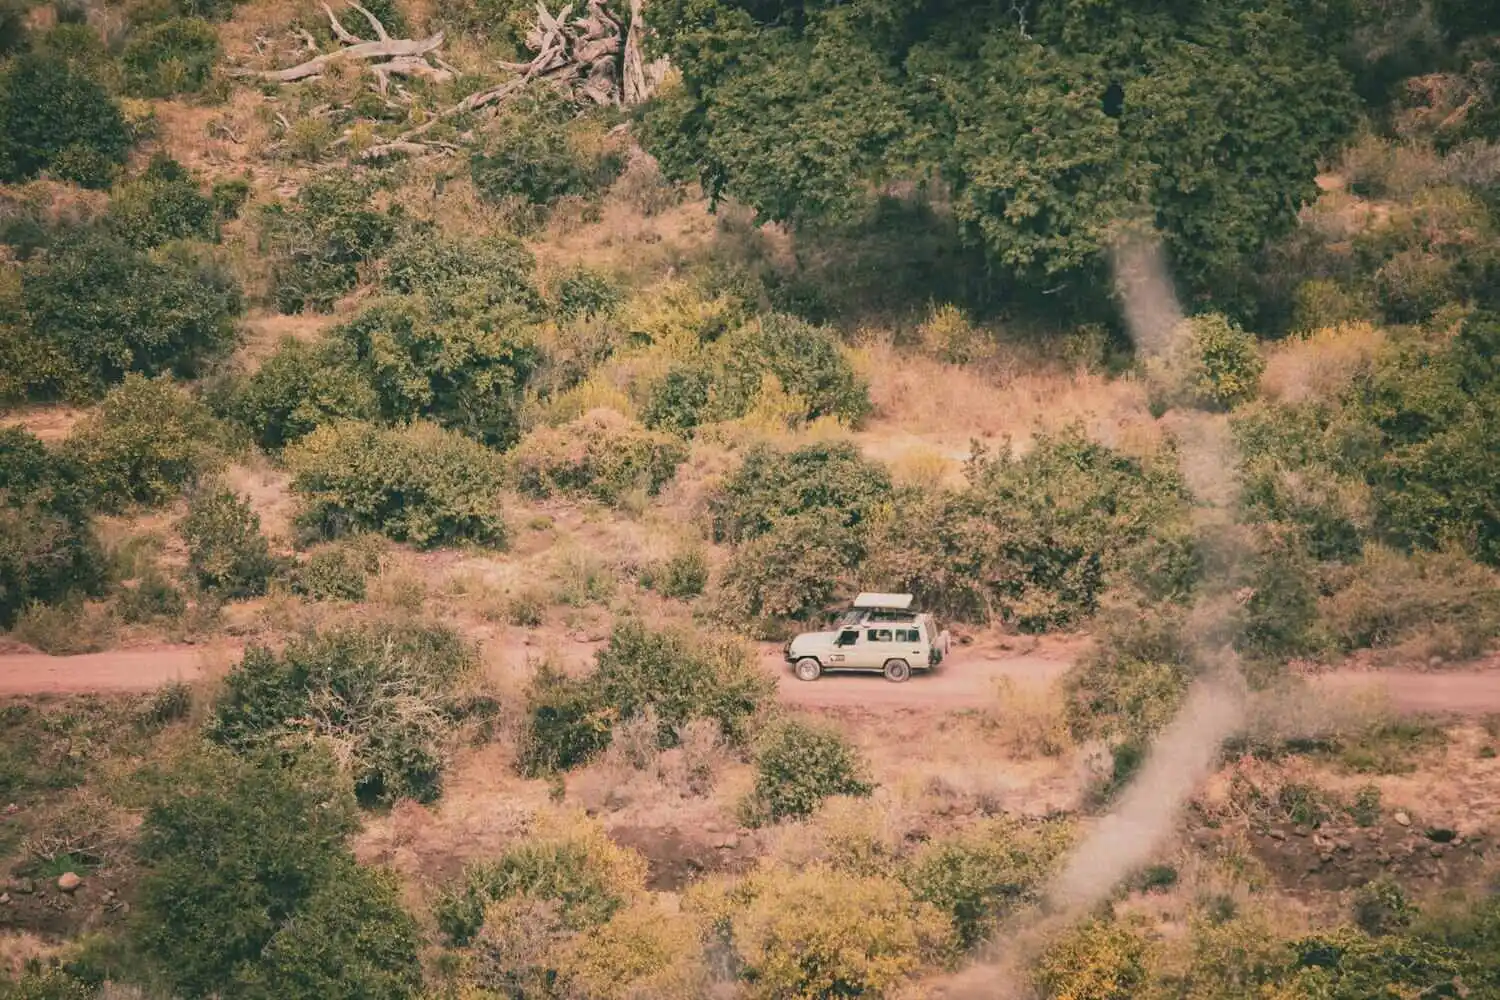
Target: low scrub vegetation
x=677, y=675
x=601, y=455
x=419, y=483
x=798, y=765
x=226, y=550
x=381, y=697
x=318, y=242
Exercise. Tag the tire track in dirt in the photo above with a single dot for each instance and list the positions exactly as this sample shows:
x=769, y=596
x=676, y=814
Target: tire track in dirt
x=966, y=681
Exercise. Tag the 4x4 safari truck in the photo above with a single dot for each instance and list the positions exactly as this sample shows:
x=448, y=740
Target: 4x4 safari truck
x=880, y=632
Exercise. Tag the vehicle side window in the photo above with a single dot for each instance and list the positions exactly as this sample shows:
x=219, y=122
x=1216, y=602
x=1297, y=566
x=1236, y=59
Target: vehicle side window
x=849, y=637
x=879, y=635
x=907, y=635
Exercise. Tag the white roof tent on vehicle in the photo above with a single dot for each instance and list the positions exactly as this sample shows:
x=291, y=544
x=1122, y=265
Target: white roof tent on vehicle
x=883, y=602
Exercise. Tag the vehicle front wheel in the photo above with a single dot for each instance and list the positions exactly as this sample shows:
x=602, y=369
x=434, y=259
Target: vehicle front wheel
x=897, y=670
x=808, y=669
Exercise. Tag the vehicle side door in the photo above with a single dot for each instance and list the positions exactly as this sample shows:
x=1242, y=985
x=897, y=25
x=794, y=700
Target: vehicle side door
x=878, y=646
x=846, y=650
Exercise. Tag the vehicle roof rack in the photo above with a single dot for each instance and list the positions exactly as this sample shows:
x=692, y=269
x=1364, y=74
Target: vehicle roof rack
x=883, y=602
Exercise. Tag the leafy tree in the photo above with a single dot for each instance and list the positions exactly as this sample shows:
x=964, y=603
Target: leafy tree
x=805, y=359
x=492, y=270
x=300, y=387
x=798, y=765
x=1051, y=124
x=319, y=240
x=234, y=849
x=464, y=369
x=602, y=454
x=770, y=485
x=147, y=440
x=53, y=115
x=420, y=484
x=105, y=309
x=531, y=154
x=162, y=205
x=47, y=549
x=226, y=550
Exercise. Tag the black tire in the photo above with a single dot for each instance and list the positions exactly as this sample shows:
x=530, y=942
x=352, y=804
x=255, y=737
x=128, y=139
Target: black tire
x=897, y=671
x=808, y=669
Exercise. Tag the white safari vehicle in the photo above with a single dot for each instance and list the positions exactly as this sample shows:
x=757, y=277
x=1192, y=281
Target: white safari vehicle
x=880, y=632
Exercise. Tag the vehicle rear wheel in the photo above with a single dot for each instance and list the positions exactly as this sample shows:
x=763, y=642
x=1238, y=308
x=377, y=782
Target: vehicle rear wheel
x=808, y=669
x=897, y=670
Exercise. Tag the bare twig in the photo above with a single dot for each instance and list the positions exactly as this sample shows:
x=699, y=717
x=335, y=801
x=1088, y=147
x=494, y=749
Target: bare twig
x=340, y=32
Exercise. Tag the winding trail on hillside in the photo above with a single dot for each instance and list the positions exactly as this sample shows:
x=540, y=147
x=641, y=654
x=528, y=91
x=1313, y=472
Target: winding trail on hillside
x=967, y=681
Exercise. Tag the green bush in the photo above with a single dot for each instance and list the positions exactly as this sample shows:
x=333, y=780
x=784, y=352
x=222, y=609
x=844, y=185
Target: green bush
x=533, y=154
x=1132, y=682
x=318, y=242
x=52, y=116
x=174, y=57
x=488, y=270
x=807, y=360
x=683, y=577
x=106, y=309
x=152, y=598
x=503, y=21
x=13, y=30
x=771, y=485
x=679, y=400
x=797, y=766
x=382, y=695
x=1212, y=365
x=1433, y=412
x=602, y=455
x=147, y=441
x=580, y=869
x=793, y=572
x=981, y=875
x=47, y=550
x=350, y=940
x=678, y=676
x=420, y=484
x=226, y=551
x=1393, y=598
x=1099, y=960
x=233, y=851
x=162, y=205
x=463, y=370
x=334, y=573
x=299, y=388
x=586, y=294
x=46, y=984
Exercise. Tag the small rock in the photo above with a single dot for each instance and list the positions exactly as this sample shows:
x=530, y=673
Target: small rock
x=4, y=899
x=729, y=843
x=1326, y=857
x=69, y=882
x=1276, y=834
x=1301, y=831
x=710, y=828
x=11, y=809
x=23, y=886
x=1344, y=846
x=1436, y=661
x=1436, y=850
x=1402, y=819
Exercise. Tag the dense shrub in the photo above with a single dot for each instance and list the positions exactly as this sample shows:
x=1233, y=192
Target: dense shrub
x=233, y=850
x=174, y=57
x=979, y=876
x=683, y=576
x=602, y=455
x=381, y=695
x=582, y=293
x=162, y=205
x=47, y=550
x=641, y=951
x=1135, y=677
x=807, y=360
x=147, y=441
x=106, y=309
x=536, y=153
x=301, y=387
x=577, y=867
x=318, y=241
x=350, y=940
x=1392, y=599
x=1434, y=410
x=674, y=675
x=820, y=933
x=1211, y=364
x=420, y=484
x=464, y=370
x=226, y=551
x=333, y=573
x=1100, y=960
x=52, y=116
x=792, y=572
x=679, y=400
x=771, y=485
x=798, y=765
x=488, y=270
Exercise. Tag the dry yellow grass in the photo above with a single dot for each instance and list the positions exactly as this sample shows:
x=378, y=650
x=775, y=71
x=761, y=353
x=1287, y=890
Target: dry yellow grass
x=1320, y=364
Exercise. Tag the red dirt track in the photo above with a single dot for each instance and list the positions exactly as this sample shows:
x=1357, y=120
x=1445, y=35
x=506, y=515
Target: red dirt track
x=966, y=681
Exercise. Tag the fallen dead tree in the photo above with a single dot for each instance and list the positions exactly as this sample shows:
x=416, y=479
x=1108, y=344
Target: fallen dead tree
x=401, y=56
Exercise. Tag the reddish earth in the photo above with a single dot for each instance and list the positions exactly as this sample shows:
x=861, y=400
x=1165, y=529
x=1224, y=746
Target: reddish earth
x=967, y=680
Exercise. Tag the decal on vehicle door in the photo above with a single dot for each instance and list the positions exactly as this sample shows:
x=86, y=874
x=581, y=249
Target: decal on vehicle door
x=836, y=658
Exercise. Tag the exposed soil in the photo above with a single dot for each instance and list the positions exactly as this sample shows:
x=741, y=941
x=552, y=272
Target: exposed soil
x=675, y=858
x=38, y=906
x=1333, y=858
x=966, y=680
